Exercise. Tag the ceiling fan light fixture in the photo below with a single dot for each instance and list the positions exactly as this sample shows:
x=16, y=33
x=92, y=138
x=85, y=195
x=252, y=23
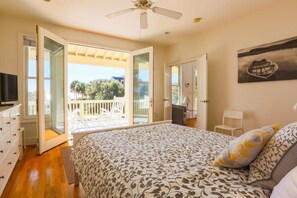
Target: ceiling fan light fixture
x=144, y=6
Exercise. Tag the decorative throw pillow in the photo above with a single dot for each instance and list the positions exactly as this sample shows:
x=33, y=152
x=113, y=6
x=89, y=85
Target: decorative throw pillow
x=276, y=160
x=287, y=187
x=243, y=150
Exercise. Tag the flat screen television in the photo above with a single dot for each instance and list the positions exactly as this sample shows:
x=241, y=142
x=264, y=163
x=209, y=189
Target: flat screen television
x=8, y=88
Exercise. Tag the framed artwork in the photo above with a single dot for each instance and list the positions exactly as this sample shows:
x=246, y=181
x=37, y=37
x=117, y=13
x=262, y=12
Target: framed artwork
x=268, y=62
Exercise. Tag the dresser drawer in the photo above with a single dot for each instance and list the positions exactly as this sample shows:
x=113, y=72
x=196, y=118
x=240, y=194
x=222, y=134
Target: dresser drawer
x=5, y=144
x=15, y=118
x=1, y=126
x=5, y=122
x=3, y=175
x=15, y=152
x=15, y=133
x=5, y=169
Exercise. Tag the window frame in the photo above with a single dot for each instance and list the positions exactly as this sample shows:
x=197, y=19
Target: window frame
x=178, y=85
x=22, y=78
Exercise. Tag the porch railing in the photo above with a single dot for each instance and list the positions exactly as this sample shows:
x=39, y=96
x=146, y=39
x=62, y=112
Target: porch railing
x=92, y=107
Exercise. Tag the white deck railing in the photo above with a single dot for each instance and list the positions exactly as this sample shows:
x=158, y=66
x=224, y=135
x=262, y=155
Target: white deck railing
x=92, y=107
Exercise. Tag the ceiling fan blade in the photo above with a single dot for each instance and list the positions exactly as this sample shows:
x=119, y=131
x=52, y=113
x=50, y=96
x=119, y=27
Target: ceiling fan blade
x=168, y=13
x=143, y=20
x=120, y=13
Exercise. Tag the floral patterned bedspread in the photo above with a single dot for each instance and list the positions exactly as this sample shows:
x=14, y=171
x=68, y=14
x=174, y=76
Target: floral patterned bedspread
x=164, y=160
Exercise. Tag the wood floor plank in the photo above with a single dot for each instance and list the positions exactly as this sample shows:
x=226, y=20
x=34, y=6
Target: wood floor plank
x=41, y=176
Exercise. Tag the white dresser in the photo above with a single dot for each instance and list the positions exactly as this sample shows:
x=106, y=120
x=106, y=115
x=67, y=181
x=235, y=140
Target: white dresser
x=10, y=142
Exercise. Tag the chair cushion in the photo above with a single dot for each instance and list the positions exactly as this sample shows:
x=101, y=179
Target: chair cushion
x=244, y=149
x=287, y=187
x=277, y=158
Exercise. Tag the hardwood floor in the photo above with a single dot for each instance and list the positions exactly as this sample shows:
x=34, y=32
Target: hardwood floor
x=191, y=122
x=41, y=176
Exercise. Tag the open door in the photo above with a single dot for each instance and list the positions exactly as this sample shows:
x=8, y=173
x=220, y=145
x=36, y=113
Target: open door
x=202, y=83
x=51, y=90
x=167, y=93
x=141, y=86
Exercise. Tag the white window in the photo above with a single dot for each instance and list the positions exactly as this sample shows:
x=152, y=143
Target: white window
x=30, y=68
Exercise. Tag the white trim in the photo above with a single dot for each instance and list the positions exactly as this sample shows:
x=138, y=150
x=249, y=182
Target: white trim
x=45, y=145
x=149, y=50
x=22, y=77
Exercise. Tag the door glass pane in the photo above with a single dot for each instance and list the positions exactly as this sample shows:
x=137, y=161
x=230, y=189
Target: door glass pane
x=53, y=88
x=31, y=97
x=175, y=79
x=141, y=77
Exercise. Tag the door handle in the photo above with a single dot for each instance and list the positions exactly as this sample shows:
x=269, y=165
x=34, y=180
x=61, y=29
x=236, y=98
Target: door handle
x=205, y=101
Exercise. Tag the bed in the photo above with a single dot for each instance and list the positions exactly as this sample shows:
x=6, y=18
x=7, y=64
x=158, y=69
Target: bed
x=163, y=160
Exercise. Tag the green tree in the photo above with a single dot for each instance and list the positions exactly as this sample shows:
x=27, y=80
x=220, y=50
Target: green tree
x=109, y=89
x=80, y=88
x=73, y=88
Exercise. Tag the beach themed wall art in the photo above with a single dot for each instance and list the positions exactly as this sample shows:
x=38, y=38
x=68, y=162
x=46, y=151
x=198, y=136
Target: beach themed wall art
x=268, y=62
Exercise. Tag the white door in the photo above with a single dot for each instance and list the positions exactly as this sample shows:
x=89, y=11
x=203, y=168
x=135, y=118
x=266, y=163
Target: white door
x=202, y=102
x=52, y=90
x=167, y=93
x=141, y=86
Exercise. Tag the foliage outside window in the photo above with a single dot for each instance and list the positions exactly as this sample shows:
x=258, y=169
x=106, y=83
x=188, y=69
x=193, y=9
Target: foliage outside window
x=97, y=89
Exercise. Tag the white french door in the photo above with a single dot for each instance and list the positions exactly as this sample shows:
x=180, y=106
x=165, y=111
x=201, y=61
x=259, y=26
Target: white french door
x=167, y=93
x=141, y=86
x=200, y=73
x=202, y=83
x=51, y=90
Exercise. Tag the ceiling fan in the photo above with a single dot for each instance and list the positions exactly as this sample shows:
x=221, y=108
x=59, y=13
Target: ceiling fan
x=144, y=6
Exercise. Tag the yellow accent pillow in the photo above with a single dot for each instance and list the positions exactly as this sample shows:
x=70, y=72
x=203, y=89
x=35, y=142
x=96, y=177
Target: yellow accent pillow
x=244, y=149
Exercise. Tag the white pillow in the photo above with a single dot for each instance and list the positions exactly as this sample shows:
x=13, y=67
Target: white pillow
x=287, y=187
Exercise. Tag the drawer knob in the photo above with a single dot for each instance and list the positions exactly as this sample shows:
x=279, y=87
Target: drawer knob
x=2, y=177
x=15, y=153
x=7, y=122
x=1, y=151
x=14, y=134
x=9, y=163
x=19, y=145
x=8, y=142
x=14, y=118
x=18, y=115
x=1, y=129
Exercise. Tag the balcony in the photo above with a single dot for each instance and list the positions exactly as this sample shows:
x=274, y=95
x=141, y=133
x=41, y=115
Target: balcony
x=85, y=115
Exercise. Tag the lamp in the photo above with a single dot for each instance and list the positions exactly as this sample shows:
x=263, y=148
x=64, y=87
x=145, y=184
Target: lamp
x=295, y=107
x=186, y=100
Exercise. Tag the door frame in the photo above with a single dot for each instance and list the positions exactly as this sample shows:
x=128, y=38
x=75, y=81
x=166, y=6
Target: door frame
x=169, y=65
x=149, y=50
x=46, y=145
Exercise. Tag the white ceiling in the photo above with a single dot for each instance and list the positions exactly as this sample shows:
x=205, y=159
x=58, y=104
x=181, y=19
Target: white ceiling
x=89, y=15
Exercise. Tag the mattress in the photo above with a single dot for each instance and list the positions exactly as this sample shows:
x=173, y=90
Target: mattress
x=163, y=160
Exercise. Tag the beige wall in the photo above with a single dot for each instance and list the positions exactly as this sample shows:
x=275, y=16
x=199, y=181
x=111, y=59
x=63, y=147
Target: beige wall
x=263, y=103
x=9, y=63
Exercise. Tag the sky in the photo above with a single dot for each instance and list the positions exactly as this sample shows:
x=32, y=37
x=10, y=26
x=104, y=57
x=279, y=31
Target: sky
x=87, y=73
